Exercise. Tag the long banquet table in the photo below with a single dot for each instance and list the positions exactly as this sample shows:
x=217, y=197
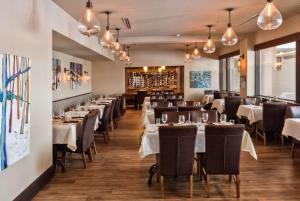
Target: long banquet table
x=150, y=142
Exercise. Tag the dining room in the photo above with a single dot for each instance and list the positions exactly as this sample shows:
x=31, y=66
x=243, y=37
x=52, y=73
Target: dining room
x=150, y=100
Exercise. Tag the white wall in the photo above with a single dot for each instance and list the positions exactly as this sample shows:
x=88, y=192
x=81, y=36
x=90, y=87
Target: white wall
x=109, y=77
x=66, y=90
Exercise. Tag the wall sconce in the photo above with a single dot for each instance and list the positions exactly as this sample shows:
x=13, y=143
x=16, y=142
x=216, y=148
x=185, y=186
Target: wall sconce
x=86, y=75
x=159, y=70
x=145, y=68
x=67, y=74
x=163, y=67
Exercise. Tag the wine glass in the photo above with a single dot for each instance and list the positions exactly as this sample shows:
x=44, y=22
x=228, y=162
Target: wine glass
x=170, y=104
x=205, y=117
x=223, y=118
x=253, y=101
x=164, y=118
x=199, y=120
x=181, y=119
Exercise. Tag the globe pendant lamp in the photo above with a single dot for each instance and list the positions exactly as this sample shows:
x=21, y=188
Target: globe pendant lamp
x=116, y=45
x=187, y=56
x=88, y=23
x=209, y=46
x=229, y=38
x=196, y=52
x=270, y=18
x=107, y=38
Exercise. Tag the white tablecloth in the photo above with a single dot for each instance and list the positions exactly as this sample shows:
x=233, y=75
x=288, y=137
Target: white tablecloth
x=65, y=133
x=254, y=113
x=103, y=101
x=218, y=104
x=93, y=107
x=82, y=114
x=150, y=142
x=292, y=128
x=208, y=98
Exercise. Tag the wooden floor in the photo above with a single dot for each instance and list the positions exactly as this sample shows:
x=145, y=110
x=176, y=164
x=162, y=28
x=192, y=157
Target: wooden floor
x=119, y=174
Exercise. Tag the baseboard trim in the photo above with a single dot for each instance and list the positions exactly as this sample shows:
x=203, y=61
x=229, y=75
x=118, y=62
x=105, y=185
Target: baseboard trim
x=37, y=185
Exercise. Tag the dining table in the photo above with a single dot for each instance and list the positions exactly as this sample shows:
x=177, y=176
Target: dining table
x=92, y=106
x=218, y=104
x=253, y=113
x=207, y=98
x=291, y=128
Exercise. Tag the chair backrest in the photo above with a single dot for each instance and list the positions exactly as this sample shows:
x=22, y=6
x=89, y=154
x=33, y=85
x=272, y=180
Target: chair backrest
x=222, y=149
x=292, y=111
x=273, y=117
x=160, y=103
x=177, y=145
x=159, y=110
x=189, y=108
x=112, y=109
x=173, y=116
x=106, y=117
x=117, y=108
x=232, y=104
x=217, y=95
x=87, y=131
x=212, y=115
x=141, y=96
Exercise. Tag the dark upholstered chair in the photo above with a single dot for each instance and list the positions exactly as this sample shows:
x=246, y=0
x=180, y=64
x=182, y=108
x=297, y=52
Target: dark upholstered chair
x=217, y=95
x=177, y=145
x=122, y=106
x=189, y=108
x=212, y=115
x=232, y=104
x=140, y=98
x=104, y=123
x=273, y=121
x=293, y=111
x=84, y=139
x=173, y=116
x=111, y=115
x=160, y=103
x=159, y=110
x=116, y=111
x=222, y=155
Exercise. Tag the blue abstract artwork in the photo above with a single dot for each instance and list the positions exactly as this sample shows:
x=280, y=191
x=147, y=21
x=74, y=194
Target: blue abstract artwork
x=200, y=79
x=14, y=109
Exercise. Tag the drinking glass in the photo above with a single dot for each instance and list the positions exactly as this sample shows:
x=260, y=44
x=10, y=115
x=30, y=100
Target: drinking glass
x=157, y=120
x=223, y=118
x=231, y=121
x=164, y=118
x=205, y=117
x=199, y=120
x=254, y=101
x=154, y=104
x=170, y=104
x=181, y=119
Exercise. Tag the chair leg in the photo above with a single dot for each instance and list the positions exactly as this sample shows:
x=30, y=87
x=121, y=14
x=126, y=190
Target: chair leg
x=90, y=155
x=84, y=159
x=191, y=186
x=265, y=138
x=95, y=148
x=282, y=140
x=237, y=183
x=161, y=180
x=230, y=178
x=293, y=150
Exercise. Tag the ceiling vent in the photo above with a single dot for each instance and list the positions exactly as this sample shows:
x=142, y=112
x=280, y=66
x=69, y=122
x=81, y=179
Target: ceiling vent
x=126, y=23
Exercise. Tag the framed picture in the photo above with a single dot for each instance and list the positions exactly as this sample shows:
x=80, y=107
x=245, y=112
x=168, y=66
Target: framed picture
x=14, y=109
x=76, y=73
x=200, y=79
x=56, y=75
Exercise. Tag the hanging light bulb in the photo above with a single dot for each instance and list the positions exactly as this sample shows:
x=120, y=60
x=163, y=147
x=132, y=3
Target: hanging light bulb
x=163, y=67
x=229, y=38
x=128, y=61
x=107, y=38
x=270, y=17
x=187, y=56
x=88, y=23
x=196, y=52
x=145, y=68
x=123, y=54
x=116, y=44
x=209, y=46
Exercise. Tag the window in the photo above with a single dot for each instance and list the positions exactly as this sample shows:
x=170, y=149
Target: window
x=277, y=67
x=223, y=74
x=234, y=71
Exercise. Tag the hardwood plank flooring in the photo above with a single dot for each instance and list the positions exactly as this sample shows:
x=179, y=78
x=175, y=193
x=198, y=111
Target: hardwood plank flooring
x=119, y=174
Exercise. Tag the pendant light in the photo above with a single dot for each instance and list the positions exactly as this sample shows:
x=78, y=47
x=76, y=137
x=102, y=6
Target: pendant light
x=107, y=38
x=209, y=46
x=116, y=45
x=196, y=52
x=88, y=23
x=270, y=18
x=229, y=38
x=187, y=56
x=128, y=61
x=123, y=54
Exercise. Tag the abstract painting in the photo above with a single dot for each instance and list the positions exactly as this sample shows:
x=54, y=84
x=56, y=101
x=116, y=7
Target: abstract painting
x=56, y=75
x=14, y=109
x=200, y=79
x=75, y=75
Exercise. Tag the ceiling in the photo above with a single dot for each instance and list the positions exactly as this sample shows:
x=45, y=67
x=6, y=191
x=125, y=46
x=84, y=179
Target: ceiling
x=159, y=21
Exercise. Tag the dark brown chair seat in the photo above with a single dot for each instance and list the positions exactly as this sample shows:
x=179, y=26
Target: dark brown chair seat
x=177, y=144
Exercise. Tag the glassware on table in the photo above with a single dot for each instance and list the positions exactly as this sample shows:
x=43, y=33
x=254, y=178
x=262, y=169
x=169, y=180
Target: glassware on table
x=181, y=119
x=154, y=104
x=253, y=101
x=164, y=118
x=157, y=121
x=199, y=120
x=231, y=121
x=223, y=118
x=170, y=104
x=205, y=117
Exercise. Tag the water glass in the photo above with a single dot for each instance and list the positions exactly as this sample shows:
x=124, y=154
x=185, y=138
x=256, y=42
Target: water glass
x=154, y=104
x=170, y=104
x=164, y=118
x=223, y=118
x=231, y=121
x=157, y=121
x=199, y=120
x=181, y=119
x=205, y=117
x=253, y=101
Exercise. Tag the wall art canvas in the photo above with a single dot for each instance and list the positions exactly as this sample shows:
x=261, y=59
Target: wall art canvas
x=14, y=109
x=56, y=75
x=75, y=75
x=200, y=79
